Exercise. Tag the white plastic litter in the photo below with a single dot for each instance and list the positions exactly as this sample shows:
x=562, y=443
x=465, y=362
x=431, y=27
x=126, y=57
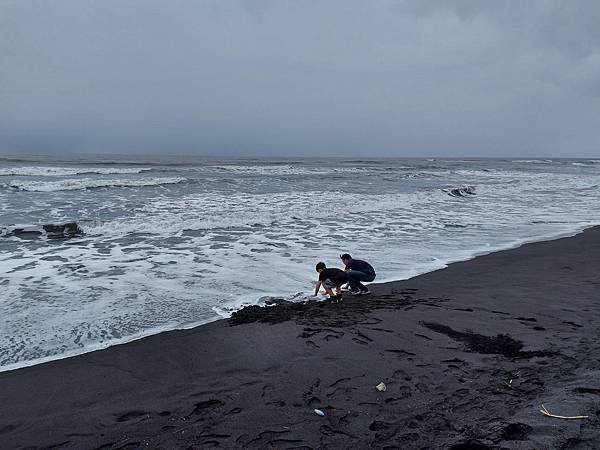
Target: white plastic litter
x=381, y=387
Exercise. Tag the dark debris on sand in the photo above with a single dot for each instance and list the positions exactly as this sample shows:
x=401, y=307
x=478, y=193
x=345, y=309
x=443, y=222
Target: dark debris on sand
x=276, y=312
x=348, y=311
x=502, y=344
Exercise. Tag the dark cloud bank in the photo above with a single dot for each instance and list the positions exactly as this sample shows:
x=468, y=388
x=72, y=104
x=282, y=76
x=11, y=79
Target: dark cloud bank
x=260, y=77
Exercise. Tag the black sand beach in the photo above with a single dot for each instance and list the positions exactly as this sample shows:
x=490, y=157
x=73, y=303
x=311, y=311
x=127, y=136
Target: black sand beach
x=468, y=354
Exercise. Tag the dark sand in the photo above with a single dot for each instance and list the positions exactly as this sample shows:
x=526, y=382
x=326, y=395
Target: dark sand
x=533, y=315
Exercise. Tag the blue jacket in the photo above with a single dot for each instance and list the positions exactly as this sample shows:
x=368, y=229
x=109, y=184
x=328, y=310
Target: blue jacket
x=361, y=266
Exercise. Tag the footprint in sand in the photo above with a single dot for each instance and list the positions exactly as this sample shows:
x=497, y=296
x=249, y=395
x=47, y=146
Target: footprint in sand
x=205, y=406
x=312, y=344
x=423, y=336
x=266, y=389
x=278, y=403
x=382, y=330
x=400, y=352
x=130, y=415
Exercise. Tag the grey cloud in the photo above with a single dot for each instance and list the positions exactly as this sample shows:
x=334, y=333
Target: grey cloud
x=300, y=77
x=571, y=27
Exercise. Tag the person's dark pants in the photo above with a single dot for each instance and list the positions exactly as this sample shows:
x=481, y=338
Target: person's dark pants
x=356, y=276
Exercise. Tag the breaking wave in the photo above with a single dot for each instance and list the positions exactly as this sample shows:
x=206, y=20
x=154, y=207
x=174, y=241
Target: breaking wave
x=462, y=191
x=87, y=183
x=289, y=169
x=589, y=162
x=68, y=171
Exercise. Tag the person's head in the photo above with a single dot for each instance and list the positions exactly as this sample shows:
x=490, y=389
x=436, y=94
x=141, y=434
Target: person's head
x=346, y=258
x=321, y=266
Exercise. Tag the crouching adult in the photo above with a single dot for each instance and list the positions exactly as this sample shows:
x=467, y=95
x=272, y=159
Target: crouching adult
x=358, y=271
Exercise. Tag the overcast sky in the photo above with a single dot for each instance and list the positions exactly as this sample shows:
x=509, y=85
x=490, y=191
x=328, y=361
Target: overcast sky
x=276, y=77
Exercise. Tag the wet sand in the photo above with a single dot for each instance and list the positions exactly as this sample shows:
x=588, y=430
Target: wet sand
x=468, y=354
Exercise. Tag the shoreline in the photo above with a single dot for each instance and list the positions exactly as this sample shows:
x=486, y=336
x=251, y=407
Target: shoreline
x=159, y=330
x=468, y=353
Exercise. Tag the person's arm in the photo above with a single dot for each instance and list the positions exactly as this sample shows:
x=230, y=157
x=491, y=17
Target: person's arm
x=317, y=288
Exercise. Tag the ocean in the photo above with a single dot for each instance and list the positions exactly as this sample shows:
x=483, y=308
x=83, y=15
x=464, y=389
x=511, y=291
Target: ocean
x=96, y=251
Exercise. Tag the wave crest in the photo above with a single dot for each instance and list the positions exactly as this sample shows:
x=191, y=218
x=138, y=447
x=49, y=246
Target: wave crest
x=461, y=191
x=46, y=171
x=87, y=183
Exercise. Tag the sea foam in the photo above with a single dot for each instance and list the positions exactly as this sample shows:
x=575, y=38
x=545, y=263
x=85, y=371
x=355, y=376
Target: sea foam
x=43, y=171
x=87, y=183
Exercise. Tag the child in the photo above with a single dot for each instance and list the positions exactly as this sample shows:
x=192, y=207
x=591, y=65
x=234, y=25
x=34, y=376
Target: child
x=331, y=278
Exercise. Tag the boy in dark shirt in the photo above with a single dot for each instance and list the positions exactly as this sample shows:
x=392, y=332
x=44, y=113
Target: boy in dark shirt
x=329, y=279
x=358, y=271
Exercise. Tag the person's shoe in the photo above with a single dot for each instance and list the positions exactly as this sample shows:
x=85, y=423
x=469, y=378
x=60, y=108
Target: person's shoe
x=354, y=291
x=365, y=292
